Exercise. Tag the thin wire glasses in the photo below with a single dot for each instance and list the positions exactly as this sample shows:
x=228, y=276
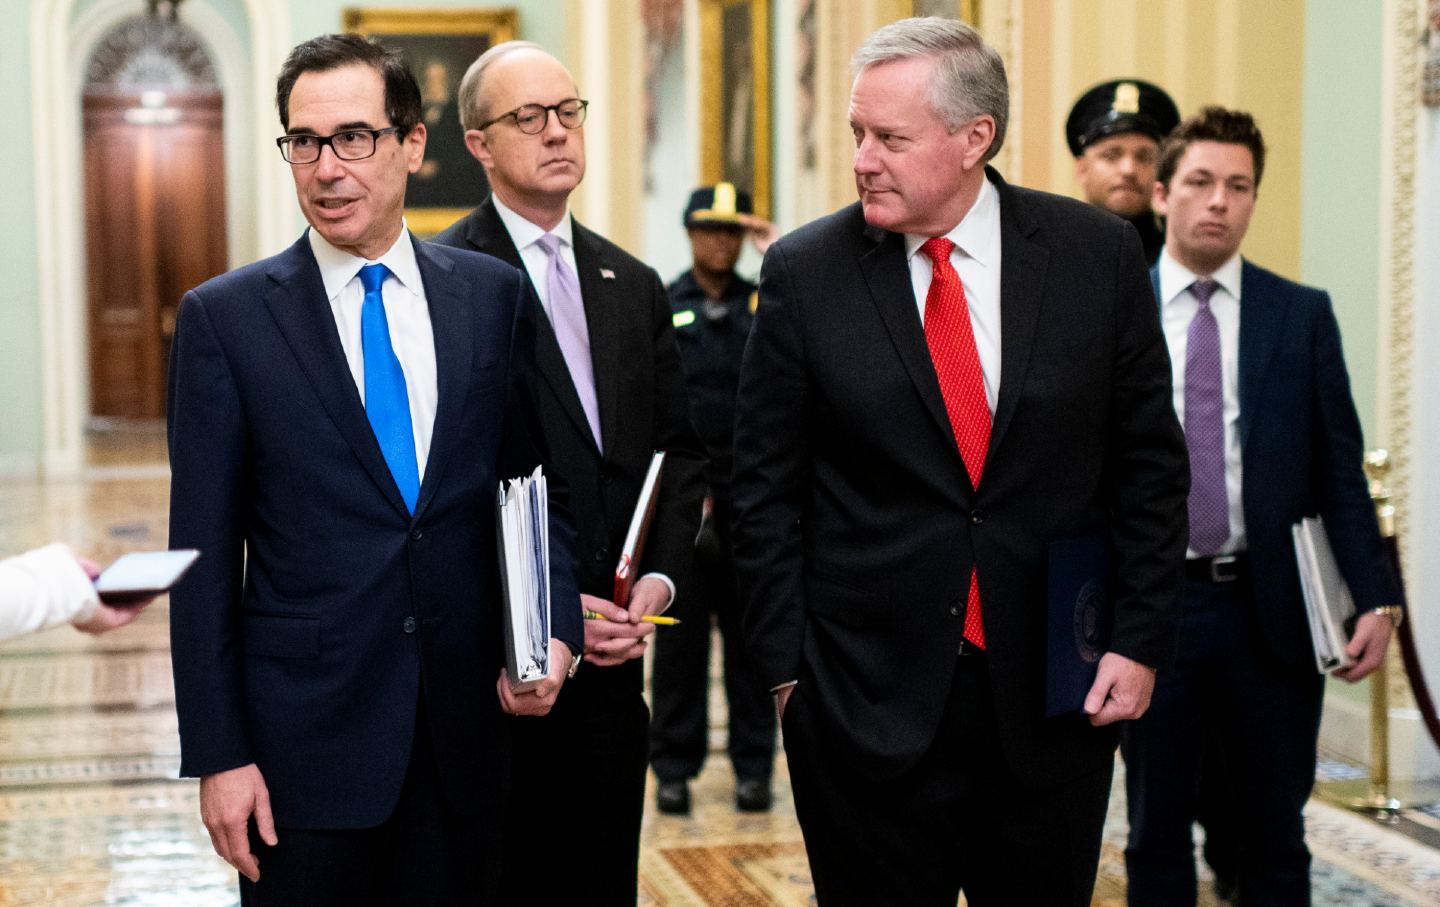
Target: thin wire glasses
x=350, y=145
x=531, y=118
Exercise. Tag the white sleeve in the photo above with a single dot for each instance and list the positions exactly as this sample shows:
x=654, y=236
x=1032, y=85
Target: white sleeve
x=43, y=588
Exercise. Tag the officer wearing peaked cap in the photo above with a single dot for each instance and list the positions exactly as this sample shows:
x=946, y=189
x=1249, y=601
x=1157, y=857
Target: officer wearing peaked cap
x=712, y=308
x=1114, y=131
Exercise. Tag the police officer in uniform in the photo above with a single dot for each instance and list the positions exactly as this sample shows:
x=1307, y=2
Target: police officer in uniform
x=1114, y=131
x=713, y=307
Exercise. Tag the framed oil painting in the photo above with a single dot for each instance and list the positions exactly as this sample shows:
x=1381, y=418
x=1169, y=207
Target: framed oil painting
x=964, y=10
x=735, y=96
x=439, y=44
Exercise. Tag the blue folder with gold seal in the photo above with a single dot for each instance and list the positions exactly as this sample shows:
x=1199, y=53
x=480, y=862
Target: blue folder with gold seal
x=1080, y=616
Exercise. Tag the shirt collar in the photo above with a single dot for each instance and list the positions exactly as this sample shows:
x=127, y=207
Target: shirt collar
x=977, y=233
x=524, y=233
x=1175, y=278
x=338, y=267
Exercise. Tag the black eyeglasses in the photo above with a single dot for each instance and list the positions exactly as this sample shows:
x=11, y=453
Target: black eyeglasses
x=531, y=118
x=350, y=145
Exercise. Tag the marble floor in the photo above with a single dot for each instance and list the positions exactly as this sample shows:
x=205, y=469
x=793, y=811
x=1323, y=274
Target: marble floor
x=91, y=812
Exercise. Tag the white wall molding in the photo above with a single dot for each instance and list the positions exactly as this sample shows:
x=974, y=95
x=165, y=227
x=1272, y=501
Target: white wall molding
x=1345, y=732
x=259, y=219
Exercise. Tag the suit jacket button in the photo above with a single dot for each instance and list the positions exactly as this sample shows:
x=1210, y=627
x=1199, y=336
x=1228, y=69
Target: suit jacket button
x=977, y=517
x=601, y=555
x=409, y=625
x=417, y=535
x=956, y=610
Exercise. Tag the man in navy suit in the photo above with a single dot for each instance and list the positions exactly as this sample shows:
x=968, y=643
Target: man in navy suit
x=1261, y=388
x=340, y=417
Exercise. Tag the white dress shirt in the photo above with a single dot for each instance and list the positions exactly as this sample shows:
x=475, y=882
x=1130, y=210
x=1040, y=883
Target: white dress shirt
x=526, y=237
x=44, y=588
x=408, y=313
x=1177, y=310
x=976, y=258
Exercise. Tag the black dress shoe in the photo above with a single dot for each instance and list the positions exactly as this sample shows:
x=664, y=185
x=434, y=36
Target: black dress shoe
x=673, y=798
x=752, y=795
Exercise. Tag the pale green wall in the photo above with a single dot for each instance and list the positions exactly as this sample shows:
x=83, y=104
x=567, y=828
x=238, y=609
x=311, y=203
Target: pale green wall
x=19, y=310
x=1340, y=192
x=1340, y=187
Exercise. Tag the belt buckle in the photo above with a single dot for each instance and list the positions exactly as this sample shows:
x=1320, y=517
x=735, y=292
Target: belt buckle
x=1217, y=575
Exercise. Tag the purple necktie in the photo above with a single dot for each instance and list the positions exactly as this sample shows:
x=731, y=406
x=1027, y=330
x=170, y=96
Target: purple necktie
x=1205, y=427
x=567, y=317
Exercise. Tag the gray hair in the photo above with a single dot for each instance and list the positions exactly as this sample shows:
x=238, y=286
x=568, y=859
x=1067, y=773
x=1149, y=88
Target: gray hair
x=969, y=79
x=472, y=111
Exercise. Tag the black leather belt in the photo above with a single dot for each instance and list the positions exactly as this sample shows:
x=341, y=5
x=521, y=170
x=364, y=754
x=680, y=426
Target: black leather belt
x=1223, y=568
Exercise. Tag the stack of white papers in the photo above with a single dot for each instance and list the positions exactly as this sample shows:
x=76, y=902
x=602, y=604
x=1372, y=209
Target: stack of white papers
x=523, y=517
x=1327, y=599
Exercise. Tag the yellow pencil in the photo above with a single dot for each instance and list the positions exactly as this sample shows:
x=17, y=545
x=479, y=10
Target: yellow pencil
x=649, y=619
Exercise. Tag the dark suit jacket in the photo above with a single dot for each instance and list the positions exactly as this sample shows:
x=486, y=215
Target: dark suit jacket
x=321, y=611
x=857, y=525
x=641, y=392
x=1301, y=455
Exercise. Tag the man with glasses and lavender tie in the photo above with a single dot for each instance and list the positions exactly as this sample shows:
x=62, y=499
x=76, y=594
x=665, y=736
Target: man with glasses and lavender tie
x=340, y=415
x=613, y=394
x=1261, y=389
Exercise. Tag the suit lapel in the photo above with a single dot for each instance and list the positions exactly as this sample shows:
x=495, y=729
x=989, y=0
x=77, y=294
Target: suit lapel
x=597, y=291
x=888, y=278
x=487, y=233
x=297, y=301
x=1262, y=319
x=452, y=322
x=1023, y=265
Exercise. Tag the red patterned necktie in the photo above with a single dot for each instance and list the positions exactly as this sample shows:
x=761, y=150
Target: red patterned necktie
x=957, y=364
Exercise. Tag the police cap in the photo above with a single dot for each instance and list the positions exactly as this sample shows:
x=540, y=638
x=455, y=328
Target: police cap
x=718, y=205
x=1124, y=105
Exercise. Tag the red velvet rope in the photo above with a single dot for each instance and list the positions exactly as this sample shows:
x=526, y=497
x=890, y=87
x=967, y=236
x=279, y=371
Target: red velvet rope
x=1411, y=659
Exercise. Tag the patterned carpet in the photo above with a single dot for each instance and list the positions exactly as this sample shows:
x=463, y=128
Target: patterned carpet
x=722, y=858
x=90, y=812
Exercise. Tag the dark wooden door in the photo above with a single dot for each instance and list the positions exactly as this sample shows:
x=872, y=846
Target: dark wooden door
x=155, y=227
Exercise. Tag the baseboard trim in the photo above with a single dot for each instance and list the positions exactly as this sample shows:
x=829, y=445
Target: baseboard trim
x=1345, y=731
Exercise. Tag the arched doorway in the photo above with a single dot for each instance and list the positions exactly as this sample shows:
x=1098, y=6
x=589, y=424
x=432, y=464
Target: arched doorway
x=154, y=202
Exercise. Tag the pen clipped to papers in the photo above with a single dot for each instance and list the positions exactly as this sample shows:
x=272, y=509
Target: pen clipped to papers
x=655, y=619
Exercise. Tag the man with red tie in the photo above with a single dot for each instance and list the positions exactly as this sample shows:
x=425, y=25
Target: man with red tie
x=942, y=380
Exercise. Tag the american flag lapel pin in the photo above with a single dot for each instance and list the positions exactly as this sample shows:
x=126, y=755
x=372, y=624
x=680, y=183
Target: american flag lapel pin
x=607, y=273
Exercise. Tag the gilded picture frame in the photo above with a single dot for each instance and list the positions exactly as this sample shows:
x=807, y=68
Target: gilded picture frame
x=735, y=96
x=967, y=11
x=439, y=44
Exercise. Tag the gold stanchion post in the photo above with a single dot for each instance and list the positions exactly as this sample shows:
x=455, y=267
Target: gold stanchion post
x=1376, y=795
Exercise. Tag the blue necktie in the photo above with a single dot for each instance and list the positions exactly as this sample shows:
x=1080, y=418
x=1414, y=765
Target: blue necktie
x=386, y=403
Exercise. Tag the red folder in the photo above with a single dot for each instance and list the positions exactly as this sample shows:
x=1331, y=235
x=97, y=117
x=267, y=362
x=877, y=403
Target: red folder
x=639, y=529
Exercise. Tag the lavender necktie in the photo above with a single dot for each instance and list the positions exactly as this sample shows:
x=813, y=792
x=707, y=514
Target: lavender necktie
x=567, y=317
x=1205, y=427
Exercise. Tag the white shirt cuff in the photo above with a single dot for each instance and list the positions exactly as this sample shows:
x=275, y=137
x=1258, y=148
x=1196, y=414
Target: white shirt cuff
x=668, y=585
